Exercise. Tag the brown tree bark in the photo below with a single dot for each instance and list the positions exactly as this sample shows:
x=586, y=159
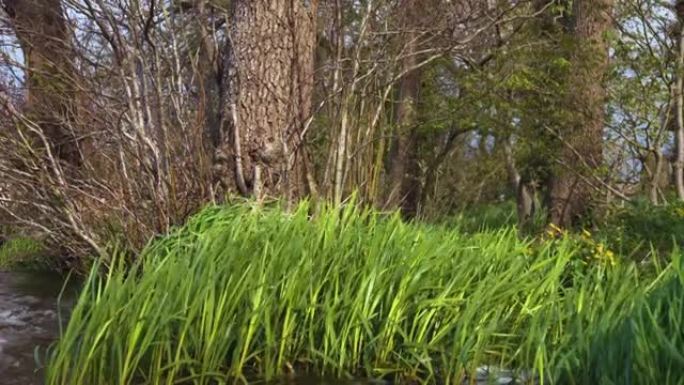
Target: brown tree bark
x=582, y=152
x=268, y=81
x=43, y=34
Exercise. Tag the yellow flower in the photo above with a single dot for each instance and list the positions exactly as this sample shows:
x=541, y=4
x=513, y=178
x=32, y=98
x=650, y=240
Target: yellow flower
x=554, y=231
x=604, y=254
x=680, y=211
x=555, y=228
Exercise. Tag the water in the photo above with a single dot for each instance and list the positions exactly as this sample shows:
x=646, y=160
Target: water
x=29, y=320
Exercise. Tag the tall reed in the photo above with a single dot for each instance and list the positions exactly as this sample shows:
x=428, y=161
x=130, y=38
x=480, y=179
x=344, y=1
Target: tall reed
x=244, y=293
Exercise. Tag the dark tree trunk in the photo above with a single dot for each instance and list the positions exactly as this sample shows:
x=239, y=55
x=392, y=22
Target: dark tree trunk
x=405, y=184
x=268, y=82
x=679, y=133
x=581, y=152
x=42, y=32
x=404, y=173
x=209, y=76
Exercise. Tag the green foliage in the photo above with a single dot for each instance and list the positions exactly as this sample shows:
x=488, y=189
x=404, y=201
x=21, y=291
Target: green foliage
x=494, y=216
x=246, y=292
x=23, y=253
x=641, y=228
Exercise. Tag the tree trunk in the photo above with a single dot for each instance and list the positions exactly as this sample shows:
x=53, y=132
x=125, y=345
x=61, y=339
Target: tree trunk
x=209, y=76
x=404, y=180
x=679, y=134
x=42, y=32
x=656, y=175
x=524, y=188
x=268, y=81
x=404, y=172
x=582, y=152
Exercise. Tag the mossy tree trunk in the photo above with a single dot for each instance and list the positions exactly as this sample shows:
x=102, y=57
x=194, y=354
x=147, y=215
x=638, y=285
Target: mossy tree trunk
x=43, y=34
x=581, y=153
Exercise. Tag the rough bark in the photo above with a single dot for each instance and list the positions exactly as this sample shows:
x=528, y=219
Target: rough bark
x=581, y=153
x=42, y=32
x=268, y=82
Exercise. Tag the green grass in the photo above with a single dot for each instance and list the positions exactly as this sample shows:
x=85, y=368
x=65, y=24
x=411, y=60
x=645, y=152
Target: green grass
x=640, y=227
x=22, y=253
x=250, y=293
x=501, y=215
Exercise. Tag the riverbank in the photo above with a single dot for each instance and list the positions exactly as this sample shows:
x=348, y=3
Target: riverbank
x=23, y=253
x=245, y=292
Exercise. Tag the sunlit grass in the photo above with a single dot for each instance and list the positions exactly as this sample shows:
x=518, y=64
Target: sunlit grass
x=250, y=293
x=23, y=253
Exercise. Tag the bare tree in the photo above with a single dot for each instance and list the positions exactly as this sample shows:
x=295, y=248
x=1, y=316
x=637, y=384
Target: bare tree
x=144, y=164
